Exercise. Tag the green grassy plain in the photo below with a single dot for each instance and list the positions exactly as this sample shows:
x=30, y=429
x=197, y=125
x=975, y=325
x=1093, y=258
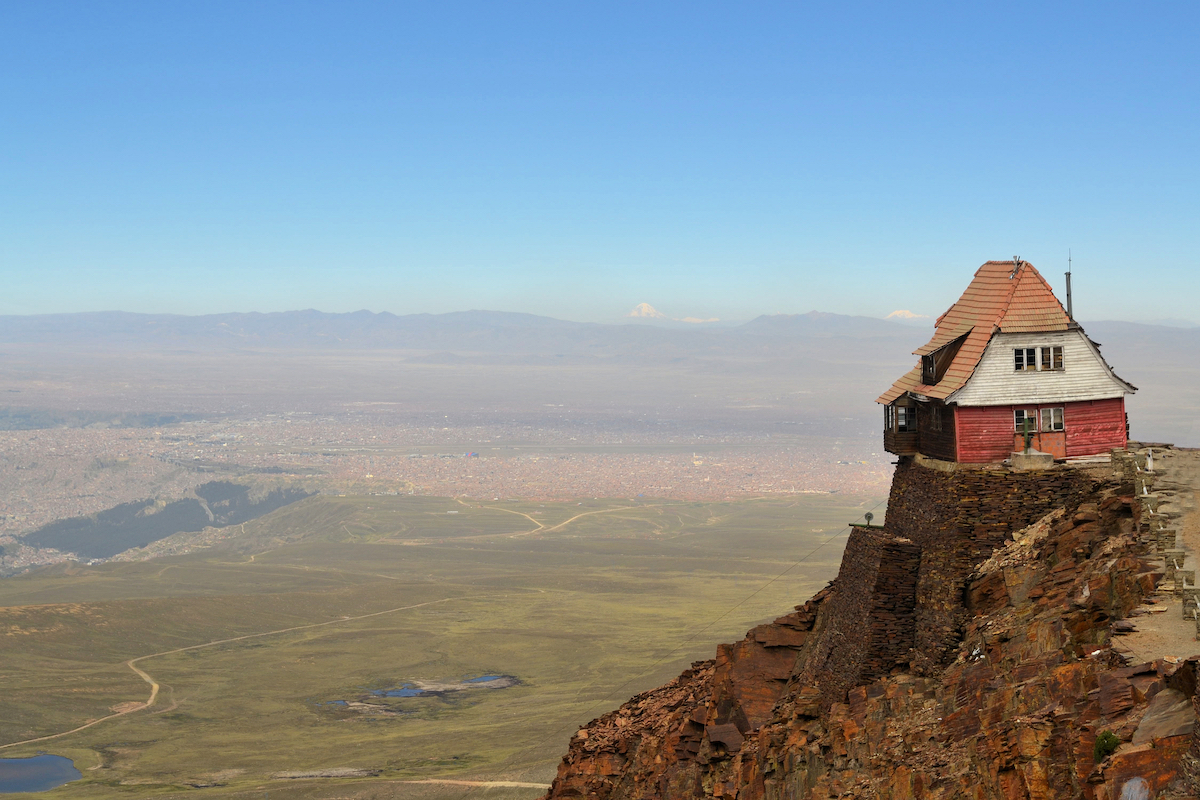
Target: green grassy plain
x=586, y=604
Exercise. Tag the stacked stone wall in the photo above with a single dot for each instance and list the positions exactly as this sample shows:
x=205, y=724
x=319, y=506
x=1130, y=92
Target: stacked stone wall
x=833, y=658
x=958, y=517
x=907, y=607
x=867, y=627
x=893, y=619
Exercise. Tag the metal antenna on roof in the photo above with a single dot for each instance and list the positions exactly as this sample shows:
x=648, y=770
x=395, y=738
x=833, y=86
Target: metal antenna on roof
x=1070, y=311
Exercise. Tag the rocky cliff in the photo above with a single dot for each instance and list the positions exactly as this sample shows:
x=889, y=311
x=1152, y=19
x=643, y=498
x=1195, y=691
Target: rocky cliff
x=965, y=650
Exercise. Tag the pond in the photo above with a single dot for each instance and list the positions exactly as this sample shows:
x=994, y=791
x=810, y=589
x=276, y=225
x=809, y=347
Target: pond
x=36, y=774
x=436, y=688
x=409, y=689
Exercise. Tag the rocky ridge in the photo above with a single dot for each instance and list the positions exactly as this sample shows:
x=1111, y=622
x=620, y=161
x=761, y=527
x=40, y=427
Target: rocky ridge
x=1017, y=692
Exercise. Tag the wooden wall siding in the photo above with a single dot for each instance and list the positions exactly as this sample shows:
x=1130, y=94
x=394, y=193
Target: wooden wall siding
x=937, y=444
x=995, y=382
x=985, y=433
x=1094, y=427
x=901, y=444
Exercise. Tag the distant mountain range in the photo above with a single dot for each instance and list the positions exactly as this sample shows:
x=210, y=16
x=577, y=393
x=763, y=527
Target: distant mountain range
x=463, y=331
x=841, y=362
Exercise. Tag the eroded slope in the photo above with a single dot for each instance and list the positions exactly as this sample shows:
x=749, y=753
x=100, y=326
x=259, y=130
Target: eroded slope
x=1010, y=707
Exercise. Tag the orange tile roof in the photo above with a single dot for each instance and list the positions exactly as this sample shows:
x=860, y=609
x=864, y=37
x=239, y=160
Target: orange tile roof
x=1006, y=296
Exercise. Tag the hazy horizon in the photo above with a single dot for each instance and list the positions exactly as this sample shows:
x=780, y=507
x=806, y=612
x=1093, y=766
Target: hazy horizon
x=681, y=323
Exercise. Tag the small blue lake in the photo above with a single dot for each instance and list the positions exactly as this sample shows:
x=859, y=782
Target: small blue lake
x=430, y=689
x=434, y=688
x=403, y=691
x=36, y=774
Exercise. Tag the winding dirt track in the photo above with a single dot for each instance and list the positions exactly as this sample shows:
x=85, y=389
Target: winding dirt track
x=541, y=527
x=154, y=686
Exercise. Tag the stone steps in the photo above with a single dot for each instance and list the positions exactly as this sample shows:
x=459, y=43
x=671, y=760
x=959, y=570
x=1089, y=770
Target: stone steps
x=1159, y=520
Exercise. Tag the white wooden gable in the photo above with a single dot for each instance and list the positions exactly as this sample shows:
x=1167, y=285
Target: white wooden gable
x=1084, y=376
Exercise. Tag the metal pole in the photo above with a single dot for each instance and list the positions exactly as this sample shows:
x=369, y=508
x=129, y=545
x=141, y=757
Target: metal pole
x=1070, y=311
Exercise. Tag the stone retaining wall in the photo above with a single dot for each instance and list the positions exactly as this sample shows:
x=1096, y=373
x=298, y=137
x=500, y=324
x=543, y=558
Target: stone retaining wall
x=865, y=629
x=958, y=518
x=943, y=521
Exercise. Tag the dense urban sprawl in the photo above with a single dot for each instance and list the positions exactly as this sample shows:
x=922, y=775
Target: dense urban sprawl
x=52, y=474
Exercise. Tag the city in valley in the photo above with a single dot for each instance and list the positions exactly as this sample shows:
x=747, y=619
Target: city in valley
x=779, y=406
x=96, y=420
x=58, y=473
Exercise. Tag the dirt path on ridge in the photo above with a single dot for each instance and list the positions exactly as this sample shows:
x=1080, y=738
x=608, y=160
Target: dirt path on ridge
x=1168, y=633
x=541, y=527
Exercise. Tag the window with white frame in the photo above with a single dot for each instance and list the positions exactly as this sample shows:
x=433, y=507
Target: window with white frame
x=1052, y=357
x=1019, y=417
x=1052, y=419
x=1038, y=359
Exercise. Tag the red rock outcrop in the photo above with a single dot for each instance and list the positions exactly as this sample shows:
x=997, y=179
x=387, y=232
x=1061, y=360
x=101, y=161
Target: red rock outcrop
x=996, y=689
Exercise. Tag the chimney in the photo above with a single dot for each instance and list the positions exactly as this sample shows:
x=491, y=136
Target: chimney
x=1070, y=310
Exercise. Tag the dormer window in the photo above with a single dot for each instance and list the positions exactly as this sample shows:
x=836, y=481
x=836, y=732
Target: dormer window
x=935, y=365
x=1038, y=359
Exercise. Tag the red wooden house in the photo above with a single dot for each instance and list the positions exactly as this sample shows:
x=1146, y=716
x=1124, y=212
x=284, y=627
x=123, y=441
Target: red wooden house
x=1006, y=359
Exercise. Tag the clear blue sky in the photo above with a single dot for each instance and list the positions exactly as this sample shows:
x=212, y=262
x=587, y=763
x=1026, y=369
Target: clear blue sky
x=574, y=159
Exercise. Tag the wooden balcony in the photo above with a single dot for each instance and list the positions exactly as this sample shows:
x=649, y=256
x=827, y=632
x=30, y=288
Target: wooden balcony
x=901, y=444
